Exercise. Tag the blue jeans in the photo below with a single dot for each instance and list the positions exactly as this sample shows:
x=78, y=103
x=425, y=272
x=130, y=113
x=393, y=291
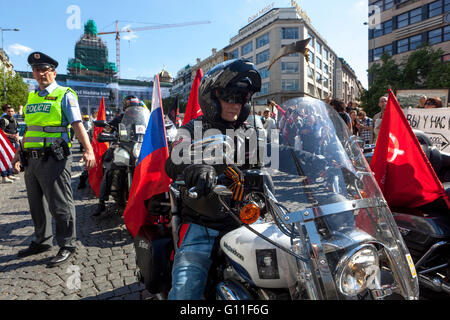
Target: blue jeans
x=192, y=262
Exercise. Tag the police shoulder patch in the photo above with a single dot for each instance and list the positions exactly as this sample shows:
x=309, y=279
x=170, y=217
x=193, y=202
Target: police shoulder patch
x=51, y=98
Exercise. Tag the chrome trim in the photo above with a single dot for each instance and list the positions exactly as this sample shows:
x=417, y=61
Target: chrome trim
x=320, y=262
x=230, y=291
x=344, y=260
x=328, y=209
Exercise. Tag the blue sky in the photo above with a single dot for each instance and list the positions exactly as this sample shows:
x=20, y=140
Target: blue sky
x=43, y=27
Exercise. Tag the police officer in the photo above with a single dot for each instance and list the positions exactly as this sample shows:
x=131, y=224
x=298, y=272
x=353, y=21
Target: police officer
x=45, y=155
x=223, y=95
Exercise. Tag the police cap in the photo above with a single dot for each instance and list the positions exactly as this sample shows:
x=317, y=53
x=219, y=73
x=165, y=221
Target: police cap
x=39, y=59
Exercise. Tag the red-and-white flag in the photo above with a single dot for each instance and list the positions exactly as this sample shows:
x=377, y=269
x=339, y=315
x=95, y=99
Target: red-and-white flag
x=400, y=166
x=7, y=152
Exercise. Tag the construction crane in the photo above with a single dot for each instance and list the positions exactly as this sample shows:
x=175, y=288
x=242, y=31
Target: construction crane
x=162, y=26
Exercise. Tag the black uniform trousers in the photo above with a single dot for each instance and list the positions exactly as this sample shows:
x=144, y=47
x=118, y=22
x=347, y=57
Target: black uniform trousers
x=50, y=195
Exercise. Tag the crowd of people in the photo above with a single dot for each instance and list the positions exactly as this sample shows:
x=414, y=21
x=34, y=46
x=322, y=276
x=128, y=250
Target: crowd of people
x=299, y=129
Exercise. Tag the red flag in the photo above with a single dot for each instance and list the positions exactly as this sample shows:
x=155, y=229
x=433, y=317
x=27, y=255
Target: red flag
x=399, y=164
x=193, y=110
x=149, y=177
x=96, y=173
x=7, y=152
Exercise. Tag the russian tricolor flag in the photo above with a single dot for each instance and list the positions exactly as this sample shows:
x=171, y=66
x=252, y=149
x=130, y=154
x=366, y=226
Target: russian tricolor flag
x=150, y=177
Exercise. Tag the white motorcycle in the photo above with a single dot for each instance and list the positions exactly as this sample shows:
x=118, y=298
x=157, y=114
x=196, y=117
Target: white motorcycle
x=321, y=231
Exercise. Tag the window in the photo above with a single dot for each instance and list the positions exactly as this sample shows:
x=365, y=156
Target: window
x=264, y=72
x=409, y=17
x=388, y=49
x=388, y=4
x=289, y=85
x=318, y=63
x=447, y=6
x=402, y=45
x=415, y=15
x=435, y=8
x=311, y=43
x=262, y=40
x=263, y=56
x=289, y=33
x=246, y=48
x=265, y=88
x=310, y=73
x=289, y=67
x=325, y=82
x=415, y=42
x=377, y=53
x=318, y=47
x=325, y=68
x=434, y=36
x=402, y=20
x=325, y=53
x=447, y=33
x=318, y=77
x=311, y=57
x=234, y=54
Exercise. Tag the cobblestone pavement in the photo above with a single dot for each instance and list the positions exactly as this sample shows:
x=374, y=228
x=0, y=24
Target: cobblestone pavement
x=103, y=266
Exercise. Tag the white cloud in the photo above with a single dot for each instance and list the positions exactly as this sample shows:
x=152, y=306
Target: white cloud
x=19, y=49
x=129, y=35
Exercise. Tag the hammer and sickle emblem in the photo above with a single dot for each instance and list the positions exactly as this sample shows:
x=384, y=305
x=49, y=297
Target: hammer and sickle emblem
x=393, y=149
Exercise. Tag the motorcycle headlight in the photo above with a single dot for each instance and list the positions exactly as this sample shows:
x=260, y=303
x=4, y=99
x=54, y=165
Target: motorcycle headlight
x=137, y=150
x=359, y=271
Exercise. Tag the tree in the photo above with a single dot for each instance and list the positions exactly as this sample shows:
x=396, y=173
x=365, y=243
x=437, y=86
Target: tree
x=17, y=90
x=423, y=68
x=382, y=77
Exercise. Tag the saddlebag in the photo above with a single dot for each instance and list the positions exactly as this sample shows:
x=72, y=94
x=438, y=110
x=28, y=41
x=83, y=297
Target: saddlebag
x=154, y=246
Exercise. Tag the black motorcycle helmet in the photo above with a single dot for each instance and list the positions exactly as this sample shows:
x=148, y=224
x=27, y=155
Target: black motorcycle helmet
x=130, y=101
x=233, y=81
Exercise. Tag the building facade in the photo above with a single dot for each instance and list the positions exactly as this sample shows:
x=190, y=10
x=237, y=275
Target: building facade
x=91, y=90
x=291, y=76
x=5, y=62
x=347, y=87
x=399, y=27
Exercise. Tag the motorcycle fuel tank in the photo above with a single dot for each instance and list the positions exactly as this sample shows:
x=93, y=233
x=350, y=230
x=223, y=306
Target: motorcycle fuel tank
x=258, y=261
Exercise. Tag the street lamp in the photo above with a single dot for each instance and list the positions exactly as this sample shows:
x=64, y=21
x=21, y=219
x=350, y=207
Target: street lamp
x=4, y=65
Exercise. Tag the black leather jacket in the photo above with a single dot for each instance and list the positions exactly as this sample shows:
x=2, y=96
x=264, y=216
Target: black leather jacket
x=205, y=211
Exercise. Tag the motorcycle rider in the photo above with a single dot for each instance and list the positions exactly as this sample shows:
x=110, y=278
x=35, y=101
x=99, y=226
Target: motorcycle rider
x=224, y=94
x=105, y=186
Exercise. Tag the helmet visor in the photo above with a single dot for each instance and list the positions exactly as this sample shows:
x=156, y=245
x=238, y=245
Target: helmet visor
x=233, y=95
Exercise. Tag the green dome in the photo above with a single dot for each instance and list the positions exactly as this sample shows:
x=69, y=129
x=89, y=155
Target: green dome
x=90, y=27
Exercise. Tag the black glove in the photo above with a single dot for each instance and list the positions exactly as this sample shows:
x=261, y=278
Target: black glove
x=200, y=176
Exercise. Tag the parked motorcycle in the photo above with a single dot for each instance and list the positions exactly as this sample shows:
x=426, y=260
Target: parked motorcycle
x=125, y=146
x=322, y=231
x=426, y=230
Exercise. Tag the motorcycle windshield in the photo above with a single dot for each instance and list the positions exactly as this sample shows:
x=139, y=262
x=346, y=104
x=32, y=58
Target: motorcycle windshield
x=324, y=191
x=134, y=124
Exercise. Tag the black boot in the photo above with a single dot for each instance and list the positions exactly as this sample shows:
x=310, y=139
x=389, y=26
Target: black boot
x=101, y=207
